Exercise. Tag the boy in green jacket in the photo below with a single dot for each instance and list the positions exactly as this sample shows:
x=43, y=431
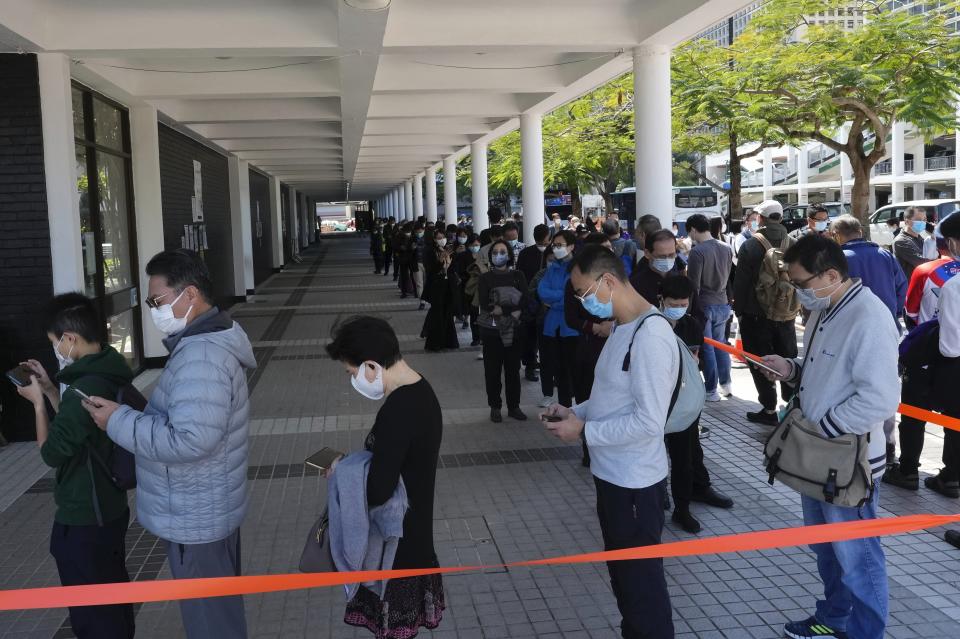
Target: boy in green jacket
x=86, y=552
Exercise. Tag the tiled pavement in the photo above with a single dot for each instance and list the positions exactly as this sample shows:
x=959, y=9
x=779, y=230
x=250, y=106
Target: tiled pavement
x=505, y=492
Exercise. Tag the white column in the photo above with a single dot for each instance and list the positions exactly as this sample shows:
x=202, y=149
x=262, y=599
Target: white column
x=653, y=171
x=956, y=152
x=145, y=159
x=392, y=200
x=449, y=190
x=306, y=231
x=408, y=198
x=768, y=173
x=401, y=203
x=276, y=223
x=896, y=161
x=531, y=166
x=240, y=226
x=431, y=180
x=418, y=195
x=478, y=179
x=803, y=174
x=293, y=221
x=59, y=167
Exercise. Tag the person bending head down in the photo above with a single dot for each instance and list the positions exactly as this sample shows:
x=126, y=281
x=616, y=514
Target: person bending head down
x=600, y=283
x=369, y=351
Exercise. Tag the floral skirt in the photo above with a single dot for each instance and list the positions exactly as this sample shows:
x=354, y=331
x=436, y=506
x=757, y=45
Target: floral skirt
x=407, y=605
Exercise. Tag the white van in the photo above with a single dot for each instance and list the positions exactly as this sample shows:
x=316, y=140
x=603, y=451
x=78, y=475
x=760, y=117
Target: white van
x=883, y=234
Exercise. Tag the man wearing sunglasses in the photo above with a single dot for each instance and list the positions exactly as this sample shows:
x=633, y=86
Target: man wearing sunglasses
x=191, y=441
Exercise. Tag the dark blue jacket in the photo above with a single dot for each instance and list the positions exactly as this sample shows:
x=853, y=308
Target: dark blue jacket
x=879, y=272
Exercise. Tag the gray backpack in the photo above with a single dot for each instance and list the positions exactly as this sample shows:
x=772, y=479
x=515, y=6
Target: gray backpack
x=689, y=394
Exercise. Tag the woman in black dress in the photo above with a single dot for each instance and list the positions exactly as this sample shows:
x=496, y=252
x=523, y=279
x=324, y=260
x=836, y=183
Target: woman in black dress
x=405, y=442
x=441, y=289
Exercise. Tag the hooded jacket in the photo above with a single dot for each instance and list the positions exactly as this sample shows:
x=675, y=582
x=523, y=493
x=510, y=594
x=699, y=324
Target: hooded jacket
x=72, y=430
x=191, y=442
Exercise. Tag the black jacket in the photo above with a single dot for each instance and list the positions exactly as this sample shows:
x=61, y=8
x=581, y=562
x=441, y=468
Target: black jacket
x=749, y=260
x=530, y=261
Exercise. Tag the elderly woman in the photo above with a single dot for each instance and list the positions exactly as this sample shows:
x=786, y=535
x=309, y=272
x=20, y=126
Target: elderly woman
x=405, y=443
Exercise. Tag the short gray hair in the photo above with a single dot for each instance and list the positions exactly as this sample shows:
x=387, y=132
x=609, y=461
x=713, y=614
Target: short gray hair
x=912, y=211
x=847, y=226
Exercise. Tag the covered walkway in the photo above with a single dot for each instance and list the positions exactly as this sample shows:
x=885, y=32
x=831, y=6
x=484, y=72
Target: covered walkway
x=506, y=492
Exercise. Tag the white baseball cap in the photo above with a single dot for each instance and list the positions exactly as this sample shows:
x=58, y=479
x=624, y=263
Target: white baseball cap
x=767, y=207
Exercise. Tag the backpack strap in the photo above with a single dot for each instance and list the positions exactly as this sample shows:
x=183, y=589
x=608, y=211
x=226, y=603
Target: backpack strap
x=626, y=360
x=763, y=241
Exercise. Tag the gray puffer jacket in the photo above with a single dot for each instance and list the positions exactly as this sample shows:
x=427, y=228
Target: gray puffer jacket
x=191, y=442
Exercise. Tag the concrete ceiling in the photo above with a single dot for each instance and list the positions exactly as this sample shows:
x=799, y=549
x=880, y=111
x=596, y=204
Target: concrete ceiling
x=321, y=93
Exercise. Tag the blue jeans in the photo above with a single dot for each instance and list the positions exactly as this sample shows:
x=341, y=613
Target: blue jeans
x=716, y=363
x=853, y=572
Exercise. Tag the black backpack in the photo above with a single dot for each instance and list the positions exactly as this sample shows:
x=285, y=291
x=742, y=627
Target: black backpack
x=919, y=357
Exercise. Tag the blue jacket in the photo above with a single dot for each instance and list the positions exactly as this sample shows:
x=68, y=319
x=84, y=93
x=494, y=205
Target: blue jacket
x=191, y=442
x=879, y=271
x=550, y=291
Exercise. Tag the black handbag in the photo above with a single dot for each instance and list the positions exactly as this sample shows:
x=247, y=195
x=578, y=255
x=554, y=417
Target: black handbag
x=316, y=555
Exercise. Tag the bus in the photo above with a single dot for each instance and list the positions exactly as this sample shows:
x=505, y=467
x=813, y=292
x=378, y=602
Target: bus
x=687, y=200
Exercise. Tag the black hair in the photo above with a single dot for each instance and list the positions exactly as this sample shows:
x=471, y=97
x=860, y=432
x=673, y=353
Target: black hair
x=611, y=227
x=817, y=254
x=182, y=268
x=649, y=224
x=363, y=338
x=510, y=226
x=569, y=236
x=815, y=210
x=439, y=231
x=496, y=232
x=716, y=227
x=494, y=215
x=950, y=226
x=699, y=223
x=75, y=313
x=676, y=286
x=595, y=238
x=595, y=260
x=494, y=244
x=452, y=228
x=658, y=236
x=540, y=232
x=472, y=237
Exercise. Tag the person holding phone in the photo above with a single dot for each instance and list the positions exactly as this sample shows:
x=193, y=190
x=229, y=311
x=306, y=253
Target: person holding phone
x=405, y=444
x=88, y=537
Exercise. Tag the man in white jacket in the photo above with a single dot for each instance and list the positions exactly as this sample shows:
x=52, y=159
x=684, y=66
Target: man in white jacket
x=849, y=385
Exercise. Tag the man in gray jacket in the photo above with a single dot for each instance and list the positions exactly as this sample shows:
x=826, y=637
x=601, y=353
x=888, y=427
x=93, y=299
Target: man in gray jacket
x=191, y=442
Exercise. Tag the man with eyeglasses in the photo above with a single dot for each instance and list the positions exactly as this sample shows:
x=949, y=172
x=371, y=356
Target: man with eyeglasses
x=818, y=222
x=191, y=442
x=849, y=385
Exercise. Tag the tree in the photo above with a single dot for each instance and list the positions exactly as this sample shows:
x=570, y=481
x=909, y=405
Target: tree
x=809, y=80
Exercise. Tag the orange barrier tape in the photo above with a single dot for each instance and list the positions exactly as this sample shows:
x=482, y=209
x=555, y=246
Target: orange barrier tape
x=904, y=409
x=176, y=589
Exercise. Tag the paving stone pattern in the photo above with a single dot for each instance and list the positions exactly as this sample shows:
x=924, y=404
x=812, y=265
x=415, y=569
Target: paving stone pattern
x=505, y=492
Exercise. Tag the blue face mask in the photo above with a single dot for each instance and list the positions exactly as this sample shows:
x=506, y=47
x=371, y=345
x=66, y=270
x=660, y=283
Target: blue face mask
x=675, y=312
x=499, y=259
x=918, y=226
x=474, y=249
x=664, y=264
x=603, y=310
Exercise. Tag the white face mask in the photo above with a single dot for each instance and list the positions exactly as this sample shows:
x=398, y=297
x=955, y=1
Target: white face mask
x=541, y=247
x=61, y=360
x=560, y=252
x=442, y=242
x=371, y=390
x=164, y=319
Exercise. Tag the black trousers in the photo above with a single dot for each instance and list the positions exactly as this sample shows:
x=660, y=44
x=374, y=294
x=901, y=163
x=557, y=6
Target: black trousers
x=687, y=471
x=558, y=357
x=497, y=358
x=377, y=263
x=474, y=327
x=912, y=430
x=387, y=258
x=94, y=555
x=530, y=345
x=762, y=336
x=632, y=517
x=547, y=379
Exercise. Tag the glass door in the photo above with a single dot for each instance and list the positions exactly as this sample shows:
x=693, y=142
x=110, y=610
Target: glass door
x=107, y=226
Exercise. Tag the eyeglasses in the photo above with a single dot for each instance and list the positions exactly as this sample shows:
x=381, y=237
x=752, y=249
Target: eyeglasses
x=154, y=302
x=587, y=293
x=803, y=284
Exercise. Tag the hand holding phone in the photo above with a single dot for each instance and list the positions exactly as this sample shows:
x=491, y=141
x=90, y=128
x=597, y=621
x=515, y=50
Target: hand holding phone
x=550, y=418
x=21, y=376
x=324, y=459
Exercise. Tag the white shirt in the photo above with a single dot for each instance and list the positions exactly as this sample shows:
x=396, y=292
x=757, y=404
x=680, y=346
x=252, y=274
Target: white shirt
x=627, y=411
x=949, y=315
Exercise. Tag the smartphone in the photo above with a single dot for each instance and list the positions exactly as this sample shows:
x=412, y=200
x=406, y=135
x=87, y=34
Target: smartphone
x=552, y=418
x=81, y=394
x=20, y=375
x=763, y=366
x=323, y=458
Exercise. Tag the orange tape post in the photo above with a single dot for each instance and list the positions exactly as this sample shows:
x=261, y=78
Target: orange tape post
x=172, y=590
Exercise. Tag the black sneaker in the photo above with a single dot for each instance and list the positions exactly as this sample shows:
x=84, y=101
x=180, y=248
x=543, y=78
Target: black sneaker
x=495, y=415
x=896, y=477
x=517, y=414
x=952, y=537
x=711, y=497
x=685, y=520
x=811, y=629
x=531, y=376
x=763, y=417
x=946, y=488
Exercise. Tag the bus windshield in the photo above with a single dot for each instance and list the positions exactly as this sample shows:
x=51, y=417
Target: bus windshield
x=695, y=199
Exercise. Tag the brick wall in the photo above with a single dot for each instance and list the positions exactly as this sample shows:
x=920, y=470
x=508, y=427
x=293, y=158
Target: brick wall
x=262, y=245
x=177, y=153
x=26, y=274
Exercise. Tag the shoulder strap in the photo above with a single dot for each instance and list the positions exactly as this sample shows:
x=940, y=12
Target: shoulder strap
x=676, y=388
x=626, y=358
x=763, y=241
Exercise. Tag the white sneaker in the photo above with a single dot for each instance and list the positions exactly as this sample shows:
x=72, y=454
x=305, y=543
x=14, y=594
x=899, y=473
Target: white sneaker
x=713, y=397
x=726, y=390
x=546, y=402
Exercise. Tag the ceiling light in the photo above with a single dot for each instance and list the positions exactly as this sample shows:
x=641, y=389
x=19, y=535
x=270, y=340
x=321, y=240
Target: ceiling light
x=224, y=57
x=368, y=5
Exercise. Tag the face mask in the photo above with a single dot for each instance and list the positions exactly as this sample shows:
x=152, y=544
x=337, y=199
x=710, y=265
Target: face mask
x=406, y=235
x=918, y=227
x=461, y=239
x=809, y=300
x=371, y=390
x=499, y=259
x=419, y=235
x=474, y=249
x=513, y=243
x=560, y=252
x=541, y=248
x=675, y=312
x=664, y=264
x=442, y=242
x=754, y=225
x=164, y=319
x=820, y=226
x=61, y=360
x=603, y=310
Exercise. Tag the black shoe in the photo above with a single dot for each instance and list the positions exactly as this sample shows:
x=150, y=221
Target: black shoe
x=531, y=376
x=685, y=520
x=403, y=296
x=711, y=497
x=376, y=272
x=517, y=414
x=475, y=342
x=464, y=326
x=763, y=417
x=952, y=537
x=495, y=415
x=896, y=477
x=421, y=307
x=946, y=488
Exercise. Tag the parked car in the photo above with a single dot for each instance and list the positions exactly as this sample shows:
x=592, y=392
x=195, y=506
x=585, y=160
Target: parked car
x=795, y=215
x=883, y=234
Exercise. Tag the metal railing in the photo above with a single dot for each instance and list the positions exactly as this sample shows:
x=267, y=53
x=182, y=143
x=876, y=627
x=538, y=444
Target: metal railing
x=940, y=163
x=883, y=168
